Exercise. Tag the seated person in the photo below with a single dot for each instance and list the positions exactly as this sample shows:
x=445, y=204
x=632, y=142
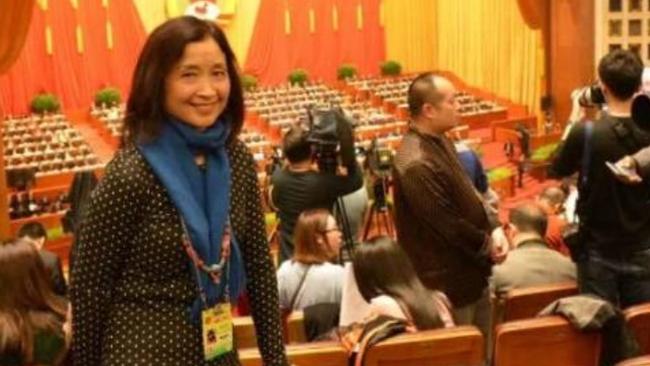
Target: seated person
x=309, y=278
x=35, y=234
x=531, y=262
x=473, y=167
x=551, y=200
x=386, y=279
x=33, y=325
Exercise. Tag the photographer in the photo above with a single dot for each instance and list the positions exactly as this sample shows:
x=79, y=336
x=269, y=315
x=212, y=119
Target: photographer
x=612, y=246
x=301, y=185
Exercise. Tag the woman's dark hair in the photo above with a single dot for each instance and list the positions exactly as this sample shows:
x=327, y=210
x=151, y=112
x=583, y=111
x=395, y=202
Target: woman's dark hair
x=381, y=267
x=27, y=303
x=145, y=109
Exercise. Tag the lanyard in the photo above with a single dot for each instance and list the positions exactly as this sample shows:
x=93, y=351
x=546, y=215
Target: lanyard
x=214, y=271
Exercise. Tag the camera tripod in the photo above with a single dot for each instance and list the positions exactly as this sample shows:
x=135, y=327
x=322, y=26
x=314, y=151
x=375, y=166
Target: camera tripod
x=380, y=212
x=347, y=249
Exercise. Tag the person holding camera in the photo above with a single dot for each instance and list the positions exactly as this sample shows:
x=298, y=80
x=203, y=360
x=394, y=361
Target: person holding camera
x=441, y=220
x=301, y=186
x=612, y=244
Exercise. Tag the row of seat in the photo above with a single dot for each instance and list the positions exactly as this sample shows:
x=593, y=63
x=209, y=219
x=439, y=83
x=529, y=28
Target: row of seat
x=541, y=341
x=521, y=340
x=47, y=144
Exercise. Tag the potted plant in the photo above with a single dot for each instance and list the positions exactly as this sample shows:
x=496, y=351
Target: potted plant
x=45, y=103
x=108, y=97
x=298, y=77
x=502, y=180
x=346, y=71
x=391, y=68
x=539, y=161
x=248, y=82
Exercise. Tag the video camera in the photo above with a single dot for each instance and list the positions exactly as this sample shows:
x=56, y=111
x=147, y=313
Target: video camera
x=331, y=135
x=379, y=159
x=589, y=96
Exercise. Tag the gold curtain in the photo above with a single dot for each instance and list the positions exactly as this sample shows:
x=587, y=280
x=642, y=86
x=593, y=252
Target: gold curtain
x=152, y=13
x=239, y=28
x=410, y=28
x=15, y=18
x=488, y=44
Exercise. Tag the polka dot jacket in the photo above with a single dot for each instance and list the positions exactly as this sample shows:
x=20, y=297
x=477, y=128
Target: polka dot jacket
x=131, y=280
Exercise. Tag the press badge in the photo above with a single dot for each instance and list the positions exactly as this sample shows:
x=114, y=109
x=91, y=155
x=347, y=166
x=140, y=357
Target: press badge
x=217, y=331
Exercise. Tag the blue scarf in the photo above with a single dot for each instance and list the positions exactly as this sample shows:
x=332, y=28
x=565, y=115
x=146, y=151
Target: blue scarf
x=202, y=198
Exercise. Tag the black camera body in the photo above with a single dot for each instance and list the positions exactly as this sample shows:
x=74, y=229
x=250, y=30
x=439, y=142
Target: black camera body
x=591, y=96
x=380, y=159
x=331, y=135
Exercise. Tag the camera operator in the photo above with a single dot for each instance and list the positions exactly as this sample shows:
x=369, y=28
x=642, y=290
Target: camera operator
x=301, y=186
x=612, y=246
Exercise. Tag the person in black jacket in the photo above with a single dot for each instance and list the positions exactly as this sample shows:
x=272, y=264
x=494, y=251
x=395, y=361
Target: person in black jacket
x=613, y=257
x=300, y=186
x=35, y=233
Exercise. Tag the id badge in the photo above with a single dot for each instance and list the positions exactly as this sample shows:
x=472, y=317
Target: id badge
x=217, y=331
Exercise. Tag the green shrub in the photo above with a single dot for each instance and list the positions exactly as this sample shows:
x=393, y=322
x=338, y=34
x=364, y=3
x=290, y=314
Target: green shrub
x=298, y=77
x=499, y=173
x=45, y=103
x=391, y=68
x=346, y=71
x=543, y=153
x=248, y=82
x=108, y=97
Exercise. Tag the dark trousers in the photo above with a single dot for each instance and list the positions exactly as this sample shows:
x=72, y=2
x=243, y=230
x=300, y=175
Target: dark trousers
x=620, y=278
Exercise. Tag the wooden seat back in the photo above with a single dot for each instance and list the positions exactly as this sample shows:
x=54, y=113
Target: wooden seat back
x=638, y=318
x=528, y=302
x=306, y=354
x=542, y=341
x=458, y=346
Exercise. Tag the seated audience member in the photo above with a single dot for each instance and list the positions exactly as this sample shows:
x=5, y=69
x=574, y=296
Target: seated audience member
x=35, y=234
x=309, y=278
x=386, y=279
x=551, y=200
x=473, y=167
x=32, y=317
x=531, y=262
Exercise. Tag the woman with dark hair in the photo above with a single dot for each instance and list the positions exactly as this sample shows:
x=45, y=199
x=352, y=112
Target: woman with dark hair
x=176, y=222
x=309, y=278
x=386, y=279
x=32, y=317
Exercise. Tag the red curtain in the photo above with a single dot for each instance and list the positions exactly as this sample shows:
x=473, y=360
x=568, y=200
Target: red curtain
x=274, y=53
x=14, y=24
x=533, y=12
x=72, y=75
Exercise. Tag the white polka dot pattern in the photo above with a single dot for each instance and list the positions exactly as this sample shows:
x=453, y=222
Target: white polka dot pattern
x=131, y=280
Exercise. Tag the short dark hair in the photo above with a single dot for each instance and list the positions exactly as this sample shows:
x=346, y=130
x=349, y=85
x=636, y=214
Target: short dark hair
x=621, y=71
x=554, y=195
x=295, y=145
x=32, y=230
x=422, y=90
x=145, y=109
x=529, y=217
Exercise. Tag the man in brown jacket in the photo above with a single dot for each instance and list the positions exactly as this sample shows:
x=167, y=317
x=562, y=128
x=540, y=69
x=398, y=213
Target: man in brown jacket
x=440, y=218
